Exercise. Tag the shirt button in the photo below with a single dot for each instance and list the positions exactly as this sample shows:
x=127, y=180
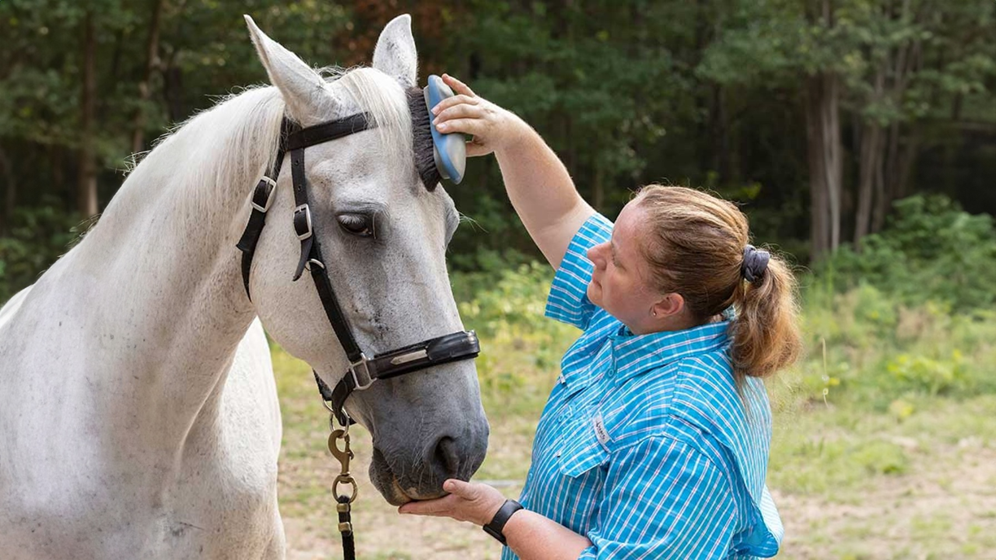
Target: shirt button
x=561, y=380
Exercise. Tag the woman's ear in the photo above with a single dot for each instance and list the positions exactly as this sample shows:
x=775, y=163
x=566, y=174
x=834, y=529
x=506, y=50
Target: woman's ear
x=671, y=305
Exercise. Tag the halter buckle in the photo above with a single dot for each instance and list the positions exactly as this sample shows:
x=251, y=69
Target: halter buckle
x=303, y=230
x=354, y=368
x=263, y=183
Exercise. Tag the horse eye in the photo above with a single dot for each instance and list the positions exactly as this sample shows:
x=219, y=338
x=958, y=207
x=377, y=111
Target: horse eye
x=356, y=224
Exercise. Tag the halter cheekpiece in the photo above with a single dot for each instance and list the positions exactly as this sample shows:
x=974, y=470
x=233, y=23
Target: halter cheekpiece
x=362, y=371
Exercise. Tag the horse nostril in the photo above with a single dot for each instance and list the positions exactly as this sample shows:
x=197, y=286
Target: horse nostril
x=447, y=457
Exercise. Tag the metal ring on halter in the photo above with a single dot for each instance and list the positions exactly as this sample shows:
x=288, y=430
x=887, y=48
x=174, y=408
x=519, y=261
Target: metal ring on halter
x=363, y=362
x=332, y=417
x=344, y=480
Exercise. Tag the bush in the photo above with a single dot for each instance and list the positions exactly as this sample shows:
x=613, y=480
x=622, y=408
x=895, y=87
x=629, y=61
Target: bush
x=921, y=374
x=929, y=250
x=521, y=349
x=38, y=237
x=870, y=348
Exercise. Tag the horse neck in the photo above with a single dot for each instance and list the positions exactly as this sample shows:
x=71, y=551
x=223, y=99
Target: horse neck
x=166, y=247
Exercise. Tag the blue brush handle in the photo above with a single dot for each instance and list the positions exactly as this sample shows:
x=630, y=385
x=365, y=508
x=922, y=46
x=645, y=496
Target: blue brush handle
x=449, y=150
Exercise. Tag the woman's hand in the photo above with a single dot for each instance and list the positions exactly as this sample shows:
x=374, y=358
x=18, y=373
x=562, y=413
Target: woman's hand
x=491, y=127
x=468, y=501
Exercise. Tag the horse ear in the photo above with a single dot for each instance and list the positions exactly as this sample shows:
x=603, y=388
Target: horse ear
x=301, y=87
x=395, y=53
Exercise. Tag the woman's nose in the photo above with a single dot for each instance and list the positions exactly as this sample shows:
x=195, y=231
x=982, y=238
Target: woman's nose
x=596, y=253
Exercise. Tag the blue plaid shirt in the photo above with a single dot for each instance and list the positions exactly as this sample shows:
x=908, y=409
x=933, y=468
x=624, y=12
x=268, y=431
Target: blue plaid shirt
x=644, y=445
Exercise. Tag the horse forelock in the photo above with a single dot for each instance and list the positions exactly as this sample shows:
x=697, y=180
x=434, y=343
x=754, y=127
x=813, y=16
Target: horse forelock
x=371, y=91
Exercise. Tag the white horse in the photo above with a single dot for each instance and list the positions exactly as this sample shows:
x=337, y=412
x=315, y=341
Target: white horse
x=138, y=410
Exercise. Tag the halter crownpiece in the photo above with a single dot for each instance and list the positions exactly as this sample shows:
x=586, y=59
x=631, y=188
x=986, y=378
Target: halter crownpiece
x=449, y=150
x=755, y=263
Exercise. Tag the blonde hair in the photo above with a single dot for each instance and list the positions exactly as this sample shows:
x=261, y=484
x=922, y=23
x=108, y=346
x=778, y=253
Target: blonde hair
x=695, y=248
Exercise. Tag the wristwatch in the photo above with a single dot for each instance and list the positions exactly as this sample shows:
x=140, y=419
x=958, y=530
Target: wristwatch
x=494, y=528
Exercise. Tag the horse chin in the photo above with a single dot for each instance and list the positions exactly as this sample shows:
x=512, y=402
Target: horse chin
x=389, y=486
x=396, y=495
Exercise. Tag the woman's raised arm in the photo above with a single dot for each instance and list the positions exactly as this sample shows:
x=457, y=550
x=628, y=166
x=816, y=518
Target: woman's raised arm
x=538, y=185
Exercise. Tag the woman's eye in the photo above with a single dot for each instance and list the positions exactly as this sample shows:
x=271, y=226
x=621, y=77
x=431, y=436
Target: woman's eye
x=356, y=224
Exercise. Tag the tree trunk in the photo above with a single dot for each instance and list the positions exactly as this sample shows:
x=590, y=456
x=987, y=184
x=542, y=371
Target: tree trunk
x=598, y=188
x=10, y=194
x=900, y=154
x=907, y=157
x=825, y=164
x=173, y=86
x=145, y=86
x=881, y=201
x=86, y=190
x=870, y=165
x=719, y=131
x=63, y=190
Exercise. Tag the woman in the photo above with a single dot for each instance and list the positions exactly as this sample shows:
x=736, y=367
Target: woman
x=654, y=442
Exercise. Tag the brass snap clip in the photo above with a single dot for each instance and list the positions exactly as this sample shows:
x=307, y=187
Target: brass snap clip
x=343, y=455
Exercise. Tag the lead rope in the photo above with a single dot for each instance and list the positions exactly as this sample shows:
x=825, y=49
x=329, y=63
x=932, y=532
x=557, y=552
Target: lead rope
x=343, y=501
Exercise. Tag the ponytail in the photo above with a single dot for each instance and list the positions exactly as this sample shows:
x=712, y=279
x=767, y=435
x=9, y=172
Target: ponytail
x=766, y=333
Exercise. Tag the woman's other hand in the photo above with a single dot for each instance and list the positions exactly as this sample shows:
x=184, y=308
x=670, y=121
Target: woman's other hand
x=491, y=127
x=468, y=501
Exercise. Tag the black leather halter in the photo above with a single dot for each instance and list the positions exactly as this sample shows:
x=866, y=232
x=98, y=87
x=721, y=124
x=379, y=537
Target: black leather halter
x=363, y=371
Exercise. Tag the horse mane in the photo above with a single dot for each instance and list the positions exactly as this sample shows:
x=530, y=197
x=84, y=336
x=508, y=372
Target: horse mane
x=251, y=120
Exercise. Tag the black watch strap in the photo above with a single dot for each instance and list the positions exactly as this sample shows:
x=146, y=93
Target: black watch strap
x=497, y=524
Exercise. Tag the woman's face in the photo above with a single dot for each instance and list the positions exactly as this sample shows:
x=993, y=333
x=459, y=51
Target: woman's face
x=620, y=283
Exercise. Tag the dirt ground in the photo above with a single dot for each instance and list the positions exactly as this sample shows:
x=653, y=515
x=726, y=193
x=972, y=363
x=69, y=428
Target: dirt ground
x=940, y=509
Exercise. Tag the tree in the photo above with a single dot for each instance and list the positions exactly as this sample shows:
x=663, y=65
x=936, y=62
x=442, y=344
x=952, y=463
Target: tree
x=886, y=63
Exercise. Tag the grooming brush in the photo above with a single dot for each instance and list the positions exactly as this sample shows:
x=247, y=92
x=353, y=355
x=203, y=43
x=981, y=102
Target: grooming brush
x=437, y=155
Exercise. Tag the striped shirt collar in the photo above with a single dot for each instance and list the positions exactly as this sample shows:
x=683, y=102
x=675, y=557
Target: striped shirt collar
x=635, y=354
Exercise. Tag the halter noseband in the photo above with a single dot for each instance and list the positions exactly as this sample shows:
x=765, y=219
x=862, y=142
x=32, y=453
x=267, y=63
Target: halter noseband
x=363, y=371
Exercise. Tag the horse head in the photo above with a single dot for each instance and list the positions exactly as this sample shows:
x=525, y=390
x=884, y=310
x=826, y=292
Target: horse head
x=383, y=235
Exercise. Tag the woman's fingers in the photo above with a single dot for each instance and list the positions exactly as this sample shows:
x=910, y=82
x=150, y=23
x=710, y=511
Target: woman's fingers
x=474, y=127
x=458, y=111
x=441, y=507
x=455, y=100
x=457, y=85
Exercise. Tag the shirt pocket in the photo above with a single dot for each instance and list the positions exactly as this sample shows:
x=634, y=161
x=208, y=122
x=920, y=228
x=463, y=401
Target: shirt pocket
x=580, y=452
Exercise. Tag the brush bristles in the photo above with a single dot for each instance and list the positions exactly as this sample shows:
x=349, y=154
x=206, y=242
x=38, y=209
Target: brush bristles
x=425, y=161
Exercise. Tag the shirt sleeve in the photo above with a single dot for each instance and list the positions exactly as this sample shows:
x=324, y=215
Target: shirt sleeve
x=568, y=301
x=663, y=499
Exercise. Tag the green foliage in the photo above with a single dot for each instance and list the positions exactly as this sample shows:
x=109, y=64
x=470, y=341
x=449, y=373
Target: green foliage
x=868, y=347
x=930, y=250
x=929, y=375
x=516, y=299
x=24, y=254
x=521, y=349
x=692, y=93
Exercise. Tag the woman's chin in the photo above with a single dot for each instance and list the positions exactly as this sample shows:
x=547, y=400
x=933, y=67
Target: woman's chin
x=594, y=293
